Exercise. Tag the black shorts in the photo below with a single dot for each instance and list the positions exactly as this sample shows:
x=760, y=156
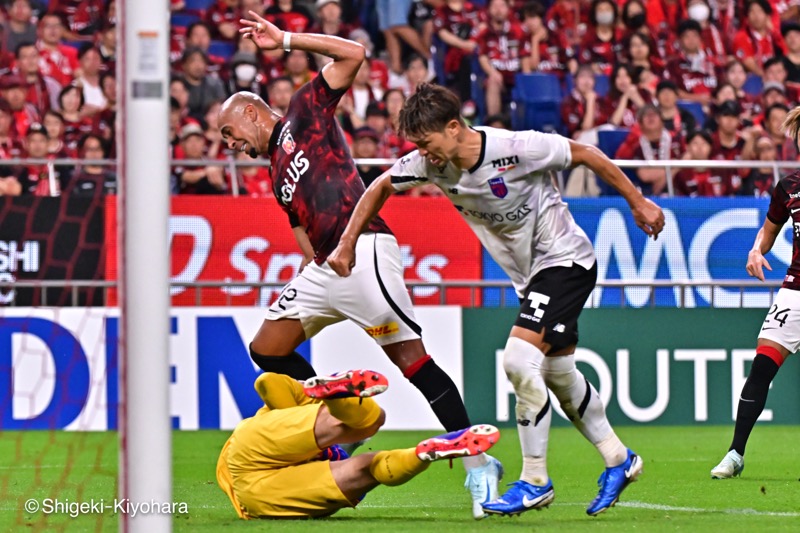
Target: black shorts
x=554, y=300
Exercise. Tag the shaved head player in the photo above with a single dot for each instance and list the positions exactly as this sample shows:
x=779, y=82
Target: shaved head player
x=316, y=183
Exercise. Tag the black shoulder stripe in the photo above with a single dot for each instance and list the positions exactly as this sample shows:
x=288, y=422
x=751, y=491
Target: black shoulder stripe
x=396, y=180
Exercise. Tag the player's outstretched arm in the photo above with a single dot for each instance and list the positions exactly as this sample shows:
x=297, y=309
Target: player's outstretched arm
x=347, y=55
x=343, y=258
x=646, y=213
x=765, y=239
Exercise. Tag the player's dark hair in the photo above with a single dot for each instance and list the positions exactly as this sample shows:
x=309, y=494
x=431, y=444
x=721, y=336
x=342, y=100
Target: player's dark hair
x=429, y=109
x=792, y=124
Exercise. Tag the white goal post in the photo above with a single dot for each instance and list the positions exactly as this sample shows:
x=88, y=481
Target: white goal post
x=145, y=456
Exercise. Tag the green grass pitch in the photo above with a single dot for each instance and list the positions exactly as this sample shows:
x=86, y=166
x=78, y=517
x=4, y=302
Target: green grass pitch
x=675, y=492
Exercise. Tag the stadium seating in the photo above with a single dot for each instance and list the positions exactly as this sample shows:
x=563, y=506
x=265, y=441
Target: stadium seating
x=538, y=98
x=222, y=49
x=753, y=85
x=695, y=108
x=183, y=20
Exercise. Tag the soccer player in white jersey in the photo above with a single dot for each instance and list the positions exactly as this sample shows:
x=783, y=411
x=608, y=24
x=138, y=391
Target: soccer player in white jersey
x=500, y=182
x=780, y=333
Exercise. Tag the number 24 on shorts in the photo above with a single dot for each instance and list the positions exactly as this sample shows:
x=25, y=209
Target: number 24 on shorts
x=778, y=316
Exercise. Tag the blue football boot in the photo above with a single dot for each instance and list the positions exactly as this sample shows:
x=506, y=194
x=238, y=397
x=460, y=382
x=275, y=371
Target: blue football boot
x=521, y=497
x=613, y=481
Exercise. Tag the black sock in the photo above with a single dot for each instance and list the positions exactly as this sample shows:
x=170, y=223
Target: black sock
x=752, y=400
x=441, y=393
x=292, y=365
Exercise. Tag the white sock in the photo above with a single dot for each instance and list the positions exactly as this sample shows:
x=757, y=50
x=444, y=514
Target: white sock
x=475, y=461
x=581, y=403
x=522, y=362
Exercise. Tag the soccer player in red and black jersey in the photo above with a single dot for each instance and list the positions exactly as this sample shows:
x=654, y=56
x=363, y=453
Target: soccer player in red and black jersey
x=780, y=332
x=316, y=183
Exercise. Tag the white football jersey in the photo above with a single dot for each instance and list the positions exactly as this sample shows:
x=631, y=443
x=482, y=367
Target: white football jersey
x=510, y=201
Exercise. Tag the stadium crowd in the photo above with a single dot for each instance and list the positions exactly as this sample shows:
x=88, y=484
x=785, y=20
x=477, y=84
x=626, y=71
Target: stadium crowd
x=642, y=79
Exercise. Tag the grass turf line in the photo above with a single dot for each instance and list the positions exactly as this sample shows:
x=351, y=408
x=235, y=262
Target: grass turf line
x=674, y=493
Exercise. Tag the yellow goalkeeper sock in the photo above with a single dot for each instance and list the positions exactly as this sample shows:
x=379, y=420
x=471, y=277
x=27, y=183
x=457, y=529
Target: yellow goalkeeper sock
x=354, y=412
x=281, y=392
x=395, y=467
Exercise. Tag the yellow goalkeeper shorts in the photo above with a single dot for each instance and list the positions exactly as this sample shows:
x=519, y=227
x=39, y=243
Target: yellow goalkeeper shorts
x=267, y=467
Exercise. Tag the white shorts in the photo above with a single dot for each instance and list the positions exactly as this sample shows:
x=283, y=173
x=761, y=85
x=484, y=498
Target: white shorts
x=782, y=324
x=374, y=295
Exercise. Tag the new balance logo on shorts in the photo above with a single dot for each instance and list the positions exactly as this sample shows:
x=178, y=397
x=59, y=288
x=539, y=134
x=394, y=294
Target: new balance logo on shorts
x=385, y=329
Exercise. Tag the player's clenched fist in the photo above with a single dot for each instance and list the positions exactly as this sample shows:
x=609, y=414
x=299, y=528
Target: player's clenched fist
x=265, y=34
x=343, y=259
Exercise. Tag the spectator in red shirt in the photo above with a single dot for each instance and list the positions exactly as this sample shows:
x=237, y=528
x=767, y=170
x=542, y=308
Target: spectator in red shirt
x=663, y=17
x=625, y=97
x=582, y=110
x=774, y=116
x=329, y=14
x=35, y=179
x=299, y=67
x=197, y=180
x=640, y=54
x=279, y=94
x=365, y=146
x=58, y=60
x=634, y=17
x=565, y=18
x=503, y=51
x=42, y=90
x=456, y=23
x=548, y=51
x=92, y=180
x=19, y=27
x=76, y=123
x=254, y=179
x=10, y=147
x=53, y=123
x=761, y=181
x=651, y=141
x=757, y=41
x=692, y=70
x=736, y=75
x=713, y=43
x=700, y=181
x=107, y=46
x=602, y=44
x=290, y=16
x=731, y=144
x=223, y=16
x=14, y=92
x=678, y=121
x=83, y=17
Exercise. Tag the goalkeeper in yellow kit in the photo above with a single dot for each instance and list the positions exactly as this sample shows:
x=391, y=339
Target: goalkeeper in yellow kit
x=285, y=461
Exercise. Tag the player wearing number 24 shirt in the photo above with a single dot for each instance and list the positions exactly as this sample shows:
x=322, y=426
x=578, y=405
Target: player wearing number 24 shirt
x=780, y=333
x=500, y=181
x=316, y=183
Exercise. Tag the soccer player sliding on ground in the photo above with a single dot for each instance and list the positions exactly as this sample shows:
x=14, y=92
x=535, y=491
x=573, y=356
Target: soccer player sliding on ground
x=780, y=332
x=285, y=461
x=316, y=183
x=500, y=182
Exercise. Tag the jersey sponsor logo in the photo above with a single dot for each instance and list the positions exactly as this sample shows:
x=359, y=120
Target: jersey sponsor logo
x=514, y=215
x=298, y=166
x=795, y=195
x=383, y=330
x=498, y=187
x=537, y=299
x=505, y=163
